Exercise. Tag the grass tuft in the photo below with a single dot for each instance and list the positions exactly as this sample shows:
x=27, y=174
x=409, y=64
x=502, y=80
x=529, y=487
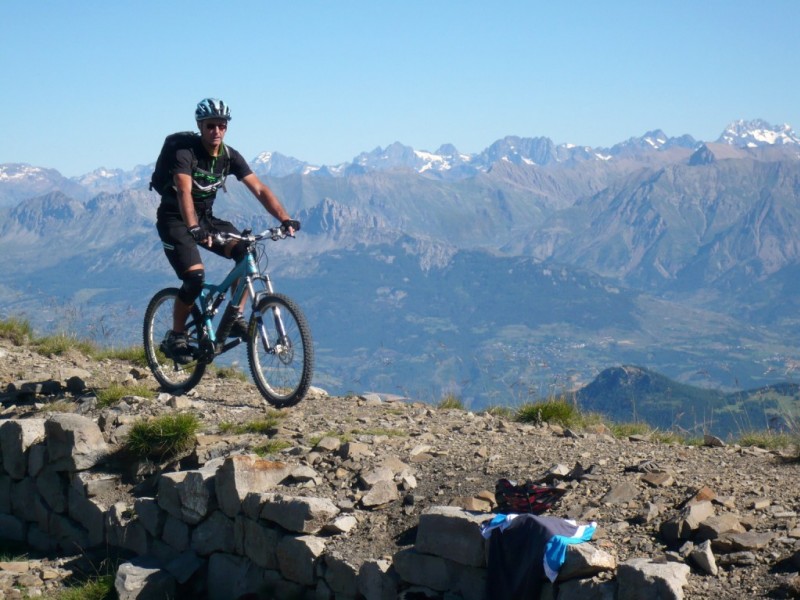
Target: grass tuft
x=769, y=440
x=17, y=330
x=270, y=448
x=96, y=588
x=451, y=401
x=115, y=392
x=164, y=436
x=559, y=412
x=61, y=343
x=623, y=430
x=262, y=426
x=20, y=331
x=133, y=354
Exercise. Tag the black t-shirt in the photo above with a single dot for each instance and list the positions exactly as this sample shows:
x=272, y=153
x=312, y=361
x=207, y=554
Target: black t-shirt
x=207, y=172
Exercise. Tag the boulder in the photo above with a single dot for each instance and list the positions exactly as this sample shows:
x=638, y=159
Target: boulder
x=142, y=578
x=244, y=473
x=452, y=533
x=298, y=514
x=74, y=442
x=16, y=436
x=644, y=579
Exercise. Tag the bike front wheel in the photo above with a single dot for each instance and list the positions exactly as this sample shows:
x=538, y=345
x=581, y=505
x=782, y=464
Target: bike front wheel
x=280, y=351
x=174, y=377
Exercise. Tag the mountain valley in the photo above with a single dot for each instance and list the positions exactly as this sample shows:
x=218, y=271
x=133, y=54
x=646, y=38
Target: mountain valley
x=521, y=272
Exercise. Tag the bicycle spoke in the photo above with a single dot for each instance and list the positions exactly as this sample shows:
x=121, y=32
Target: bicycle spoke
x=173, y=376
x=280, y=351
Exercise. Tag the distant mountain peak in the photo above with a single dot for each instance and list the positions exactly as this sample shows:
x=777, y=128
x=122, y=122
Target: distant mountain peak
x=757, y=133
x=280, y=165
x=656, y=138
x=511, y=153
x=21, y=171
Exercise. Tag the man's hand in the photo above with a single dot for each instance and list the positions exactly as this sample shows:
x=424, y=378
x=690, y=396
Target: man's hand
x=290, y=226
x=200, y=235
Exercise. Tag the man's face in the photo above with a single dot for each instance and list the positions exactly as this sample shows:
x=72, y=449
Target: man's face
x=213, y=130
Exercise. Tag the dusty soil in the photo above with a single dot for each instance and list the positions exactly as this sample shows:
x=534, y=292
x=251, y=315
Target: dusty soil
x=456, y=456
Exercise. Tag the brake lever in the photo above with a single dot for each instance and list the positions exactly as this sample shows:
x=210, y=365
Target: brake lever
x=281, y=233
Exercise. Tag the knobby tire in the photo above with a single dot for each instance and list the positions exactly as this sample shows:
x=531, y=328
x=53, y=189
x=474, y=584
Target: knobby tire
x=173, y=377
x=282, y=375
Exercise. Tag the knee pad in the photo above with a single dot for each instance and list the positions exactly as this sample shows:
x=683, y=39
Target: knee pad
x=192, y=286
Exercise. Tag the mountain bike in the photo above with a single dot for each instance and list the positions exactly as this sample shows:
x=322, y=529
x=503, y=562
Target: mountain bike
x=279, y=346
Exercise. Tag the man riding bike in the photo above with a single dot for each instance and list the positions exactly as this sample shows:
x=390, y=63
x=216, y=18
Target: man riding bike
x=185, y=219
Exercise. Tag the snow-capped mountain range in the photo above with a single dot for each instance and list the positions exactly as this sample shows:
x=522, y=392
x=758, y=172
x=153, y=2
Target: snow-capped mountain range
x=753, y=134
x=519, y=150
x=445, y=162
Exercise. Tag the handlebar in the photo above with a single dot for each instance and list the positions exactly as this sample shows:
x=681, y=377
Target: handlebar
x=273, y=233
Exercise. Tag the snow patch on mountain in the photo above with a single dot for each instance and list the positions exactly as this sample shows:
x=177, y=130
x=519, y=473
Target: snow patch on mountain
x=20, y=172
x=100, y=175
x=758, y=133
x=446, y=161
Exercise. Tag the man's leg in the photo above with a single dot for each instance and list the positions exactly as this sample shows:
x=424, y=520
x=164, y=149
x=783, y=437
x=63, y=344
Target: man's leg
x=236, y=252
x=193, y=280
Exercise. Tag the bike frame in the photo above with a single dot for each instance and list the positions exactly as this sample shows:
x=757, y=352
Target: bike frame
x=212, y=295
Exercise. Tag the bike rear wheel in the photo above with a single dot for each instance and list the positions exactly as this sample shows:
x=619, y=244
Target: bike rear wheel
x=280, y=350
x=174, y=378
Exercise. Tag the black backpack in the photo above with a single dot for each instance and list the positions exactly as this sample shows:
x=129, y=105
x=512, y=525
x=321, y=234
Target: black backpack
x=183, y=140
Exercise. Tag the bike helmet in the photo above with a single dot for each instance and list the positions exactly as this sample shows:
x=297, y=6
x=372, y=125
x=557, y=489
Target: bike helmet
x=211, y=108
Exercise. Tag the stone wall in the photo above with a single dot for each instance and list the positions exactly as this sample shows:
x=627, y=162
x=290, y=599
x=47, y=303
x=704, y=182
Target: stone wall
x=216, y=531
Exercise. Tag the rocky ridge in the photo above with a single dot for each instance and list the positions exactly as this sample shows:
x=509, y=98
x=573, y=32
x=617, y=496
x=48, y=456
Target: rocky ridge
x=728, y=512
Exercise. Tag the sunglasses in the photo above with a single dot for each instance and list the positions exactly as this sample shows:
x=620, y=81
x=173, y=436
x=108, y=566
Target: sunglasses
x=220, y=126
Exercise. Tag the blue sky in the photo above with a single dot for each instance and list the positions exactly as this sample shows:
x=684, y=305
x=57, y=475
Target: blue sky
x=92, y=83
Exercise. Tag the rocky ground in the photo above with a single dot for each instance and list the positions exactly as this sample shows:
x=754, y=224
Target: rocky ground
x=630, y=487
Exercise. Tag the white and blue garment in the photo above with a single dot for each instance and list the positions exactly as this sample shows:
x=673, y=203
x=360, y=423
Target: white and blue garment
x=524, y=547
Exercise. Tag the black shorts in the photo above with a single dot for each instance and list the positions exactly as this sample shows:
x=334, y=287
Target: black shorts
x=179, y=245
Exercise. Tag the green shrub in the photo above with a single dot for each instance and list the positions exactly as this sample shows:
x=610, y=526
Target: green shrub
x=16, y=330
x=164, y=436
x=767, y=439
x=61, y=343
x=451, y=401
x=559, y=412
x=271, y=447
x=96, y=588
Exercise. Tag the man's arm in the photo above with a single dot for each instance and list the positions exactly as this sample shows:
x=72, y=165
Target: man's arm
x=267, y=198
x=183, y=184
